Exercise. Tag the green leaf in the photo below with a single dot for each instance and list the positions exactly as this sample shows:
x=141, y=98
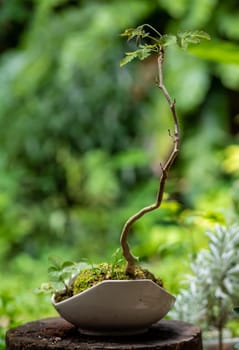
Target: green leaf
x=52, y=269
x=135, y=32
x=192, y=37
x=82, y=266
x=45, y=288
x=217, y=51
x=143, y=52
x=55, y=276
x=55, y=261
x=67, y=264
x=65, y=275
x=129, y=56
x=167, y=40
x=200, y=34
x=128, y=32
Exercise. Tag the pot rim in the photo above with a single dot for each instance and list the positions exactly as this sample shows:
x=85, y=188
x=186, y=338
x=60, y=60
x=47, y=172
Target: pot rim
x=136, y=281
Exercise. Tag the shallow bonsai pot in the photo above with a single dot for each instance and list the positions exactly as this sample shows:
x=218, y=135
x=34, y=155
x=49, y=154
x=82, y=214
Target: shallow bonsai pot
x=116, y=307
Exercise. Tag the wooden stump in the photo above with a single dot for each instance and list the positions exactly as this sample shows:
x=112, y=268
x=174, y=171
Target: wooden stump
x=57, y=334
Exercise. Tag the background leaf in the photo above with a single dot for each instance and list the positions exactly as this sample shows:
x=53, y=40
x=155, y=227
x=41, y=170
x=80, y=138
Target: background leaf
x=218, y=51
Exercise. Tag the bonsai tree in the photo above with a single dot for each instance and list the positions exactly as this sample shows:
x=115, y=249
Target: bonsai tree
x=150, y=42
x=72, y=276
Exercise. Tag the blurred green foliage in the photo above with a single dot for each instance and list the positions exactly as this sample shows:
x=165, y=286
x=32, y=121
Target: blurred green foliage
x=82, y=139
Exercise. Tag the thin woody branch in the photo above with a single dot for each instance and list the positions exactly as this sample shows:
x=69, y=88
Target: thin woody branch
x=131, y=260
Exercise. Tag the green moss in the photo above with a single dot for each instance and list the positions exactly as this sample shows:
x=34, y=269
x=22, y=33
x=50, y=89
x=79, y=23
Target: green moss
x=91, y=276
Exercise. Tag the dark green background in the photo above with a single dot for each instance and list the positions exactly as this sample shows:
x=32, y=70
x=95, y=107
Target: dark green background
x=81, y=139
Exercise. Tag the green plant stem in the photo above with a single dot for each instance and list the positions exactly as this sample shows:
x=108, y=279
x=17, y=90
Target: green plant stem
x=152, y=28
x=131, y=260
x=220, y=338
x=220, y=325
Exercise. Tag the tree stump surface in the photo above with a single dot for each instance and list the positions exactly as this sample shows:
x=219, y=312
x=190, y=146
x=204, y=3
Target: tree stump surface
x=57, y=334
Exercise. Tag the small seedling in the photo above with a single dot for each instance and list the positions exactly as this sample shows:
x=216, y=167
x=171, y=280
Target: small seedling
x=60, y=274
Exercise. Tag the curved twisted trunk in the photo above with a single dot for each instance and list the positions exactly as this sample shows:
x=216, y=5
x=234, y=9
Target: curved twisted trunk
x=131, y=260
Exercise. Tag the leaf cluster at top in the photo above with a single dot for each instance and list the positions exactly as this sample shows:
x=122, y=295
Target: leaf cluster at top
x=148, y=43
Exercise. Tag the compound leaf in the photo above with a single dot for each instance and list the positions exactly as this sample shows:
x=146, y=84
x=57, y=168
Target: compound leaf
x=129, y=56
x=135, y=32
x=143, y=52
x=191, y=37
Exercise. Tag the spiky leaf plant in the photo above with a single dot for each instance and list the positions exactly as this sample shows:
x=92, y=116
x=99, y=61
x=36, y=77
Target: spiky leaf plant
x=213, y=286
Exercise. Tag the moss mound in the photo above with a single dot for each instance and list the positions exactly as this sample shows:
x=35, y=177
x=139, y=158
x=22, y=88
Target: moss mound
x=91, y=276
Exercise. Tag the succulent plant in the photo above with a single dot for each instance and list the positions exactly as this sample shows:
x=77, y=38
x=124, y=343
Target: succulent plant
x=213, y=286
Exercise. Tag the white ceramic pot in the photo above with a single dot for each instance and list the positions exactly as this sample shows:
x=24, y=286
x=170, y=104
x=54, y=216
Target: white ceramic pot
x=116, y=307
